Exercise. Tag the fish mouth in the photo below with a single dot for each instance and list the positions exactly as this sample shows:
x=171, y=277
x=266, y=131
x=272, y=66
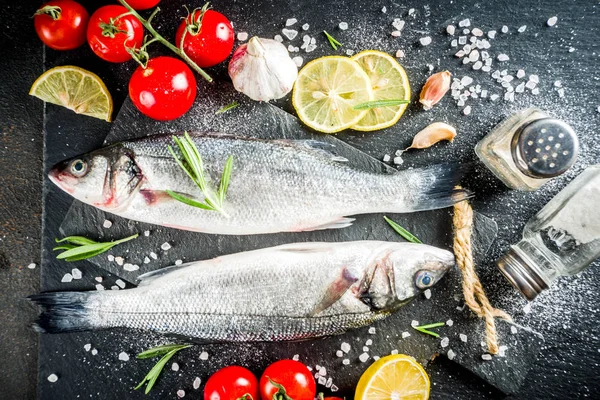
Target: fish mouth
x=62, y=179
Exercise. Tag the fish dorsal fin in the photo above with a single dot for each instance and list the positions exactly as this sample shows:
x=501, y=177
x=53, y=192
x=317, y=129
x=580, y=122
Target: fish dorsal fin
x=308, y=247
x=149, y=277
x=323, y=149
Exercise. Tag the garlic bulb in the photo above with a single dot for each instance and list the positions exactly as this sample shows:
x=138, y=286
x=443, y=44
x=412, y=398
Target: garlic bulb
x=262, y=69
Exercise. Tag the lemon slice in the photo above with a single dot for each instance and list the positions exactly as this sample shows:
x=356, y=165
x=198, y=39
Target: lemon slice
x=389, y=82
x=76, y=89
x=393, y=377
x=326, y=91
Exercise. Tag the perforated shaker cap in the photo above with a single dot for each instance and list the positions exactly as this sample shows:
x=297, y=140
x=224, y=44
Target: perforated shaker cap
x=545, y=148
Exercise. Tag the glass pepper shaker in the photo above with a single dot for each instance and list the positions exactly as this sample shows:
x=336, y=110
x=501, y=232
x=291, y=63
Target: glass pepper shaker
x=529, y=148
x=561, y=239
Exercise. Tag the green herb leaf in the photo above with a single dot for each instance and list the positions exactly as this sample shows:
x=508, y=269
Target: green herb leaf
x=379, y=103
x=402, y=232
x=194, y=167
x=80, y=248
x=167, y=351
x=334, y=43
x=425, y=328
x=228, y=107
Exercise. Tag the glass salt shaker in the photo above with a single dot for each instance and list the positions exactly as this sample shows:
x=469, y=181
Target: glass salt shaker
x=561, y=239
x=528, y=149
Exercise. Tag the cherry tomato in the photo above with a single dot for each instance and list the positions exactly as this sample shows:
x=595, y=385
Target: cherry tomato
x=292, y=377
x=165, y=90
x=231, y=383
x=108, y=40
x=142, y=4
x=61, y=24
x=214, y=41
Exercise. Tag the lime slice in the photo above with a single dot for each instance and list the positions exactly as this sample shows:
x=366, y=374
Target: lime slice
x=76, y=89
x=389, y=82
x=326, y=91
x=397, y=376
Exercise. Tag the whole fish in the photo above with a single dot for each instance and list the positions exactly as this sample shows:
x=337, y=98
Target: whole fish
x=289, y=292
x=275, y=186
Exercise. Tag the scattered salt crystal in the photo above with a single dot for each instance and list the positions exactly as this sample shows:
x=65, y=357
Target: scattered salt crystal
x=451, y=354
x=386, y=158
x=311, y=47
x=329, y=382
x=94, y=352
x=298, y=60
x=513, y=330
x=181, y=393
x=31, y=266
x=345, y=347
x=110, y=257
x=196, y=383
x=375, y=358
x=462, y=40
x=427, y=294
x=522, y=29
x=557, y=84
x=130, y=267
x=486, y=357
x=146, y=260
x=450, y=29
x=466, y=80
x=445, y=341
x=527, y=308
x=552, y=21
x=339, y=353
x=345, y=361
x=463, y=337
x=296, y=357
x=242, y=36
x=449, y=322
x=398, y=24
x=372, y=329
x=504, y=29
x=323, y=371
x=321, y=380
x=153, y=255
x=491, y=34
x=369, y=342
x=534, y=78
x=120, y=283
x=486, y=68
x=535, y=91
x=414, y=323
x=530, y=85
x=477, y=32
x=123, y=356
x=493, y=97
x=67, y=278
x=305, y=27
x=334, y=388
x=467, y=110
x=384, y=9
x=365, y=349
x=165, y=246
x=460, y=103
x=474, y=55
x=454, y=43
x=395, y=351
x=175, y=367
x=400, y=54
x=349, y=52
x=278, y=38
x=290, y=21
x=343, y=26
x=509, y=96
x=478, y=65
x=52, y=378
x=405, y=335
x=396, y=33
x=520, y=73
x=460, y=54
x=147, y=233
x=561, y=92
x=571, y=49
x=107, y=224
x=114, y=287
x=464, y=23
x=76, y=273
x=508, y=78
x=502, y=351
x=87, y=347
x=99, y=287
x=119, y=260
x=398, y=161
x=178, y=262
x=204, y=356
x=503, y=57
x=363, y=357
x=425, y=41
x=520, y=87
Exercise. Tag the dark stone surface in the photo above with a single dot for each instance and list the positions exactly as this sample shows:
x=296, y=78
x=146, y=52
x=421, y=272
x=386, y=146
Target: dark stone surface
x=567, y=315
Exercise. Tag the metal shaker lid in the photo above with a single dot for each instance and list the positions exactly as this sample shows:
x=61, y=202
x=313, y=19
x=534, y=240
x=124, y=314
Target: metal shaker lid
x=545, y=148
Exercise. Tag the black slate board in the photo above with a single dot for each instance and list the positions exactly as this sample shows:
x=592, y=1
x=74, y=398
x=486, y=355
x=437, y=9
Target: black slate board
x=104, y=376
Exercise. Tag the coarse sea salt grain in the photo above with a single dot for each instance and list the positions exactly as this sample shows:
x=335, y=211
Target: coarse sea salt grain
x=76, y=273
x=153, y=255
x=242, y=36
x=296, y=357
x=467, y=110
x=175, y=367
x=196, y=383
x=290, y=33
x=425, y=41
x=107, y=224
x=463, y=337
x=178, y=262
x=305, y=27
x=321, y=380
x=400, y=54
x=405, y=335
x=339, y=353
x=464, y=23
x=396, y=33
x=522, y=28
x=384, y=9
x=477, y=32
x=343, y=25
x=345, y=347
x=427, y=293
x=552, y=21
x=110, y=258
x=146, y=233
x=31, y=266
x=520, y=73
x=278, y=38
x=450, y=29
x=386, y=158
x=165, y=246
x=131, y=267
x=486, y=357
x=504, y=29
x=363, y=357
x=94, y=352
x=67, y=278
x=365, y=349
x=114, y=287
x=87, y=347
x=99, y=287
x=369, y=342
x=119, y=260
x=123, y=356
x=345, y=361
x=395, y=351
x=349, y=52
x=52, y=378
x=372, y=329
x=146, y=260
x=290, y=21
x=414, y=323
x=491, y=34
x=398, y=24
x=204, y=356
x=398, y=160
x=513, y=330
x=298, y=60
x=449, y=322
x=181, y=393
x=527, y=308
x=120, y=283
x=503, y=57
x=445, y=342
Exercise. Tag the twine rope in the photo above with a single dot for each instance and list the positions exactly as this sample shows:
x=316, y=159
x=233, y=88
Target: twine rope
x=473, y=291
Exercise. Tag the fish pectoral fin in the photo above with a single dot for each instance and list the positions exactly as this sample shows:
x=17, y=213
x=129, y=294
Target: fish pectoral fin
x=156, y=196
x=322, y=149
x=343, y=222
x=334, y=292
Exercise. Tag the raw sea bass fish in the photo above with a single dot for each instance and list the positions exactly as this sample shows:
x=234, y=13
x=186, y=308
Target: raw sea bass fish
x=276, y=186
x=289, y=292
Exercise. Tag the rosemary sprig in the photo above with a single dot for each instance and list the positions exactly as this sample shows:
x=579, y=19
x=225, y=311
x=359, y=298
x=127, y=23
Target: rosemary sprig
x=425, y=328
x=80, y=248
x=379, y=103
x=194, y=167
x=166, y=351
x=402, y=232
x=334, y=43
x=228, y=107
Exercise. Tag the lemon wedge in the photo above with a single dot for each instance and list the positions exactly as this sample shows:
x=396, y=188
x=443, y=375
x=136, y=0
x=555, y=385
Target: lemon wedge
x=397, y=376
x=389, y=82
x=326, y=91
x=76, y=89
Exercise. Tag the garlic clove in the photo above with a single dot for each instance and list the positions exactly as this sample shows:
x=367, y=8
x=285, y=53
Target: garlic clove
x=432, y=134
x=434, y=89
x=262, y=69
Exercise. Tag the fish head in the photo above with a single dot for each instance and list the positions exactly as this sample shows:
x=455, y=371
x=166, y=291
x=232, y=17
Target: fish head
x=105, y=178
x=401, y=271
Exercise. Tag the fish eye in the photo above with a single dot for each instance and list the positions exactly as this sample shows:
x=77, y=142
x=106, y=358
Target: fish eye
x=424, y=279
x=78, y=168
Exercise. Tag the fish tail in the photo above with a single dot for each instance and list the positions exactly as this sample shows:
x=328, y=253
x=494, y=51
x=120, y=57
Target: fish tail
x=63, y=312
x=436, y=186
